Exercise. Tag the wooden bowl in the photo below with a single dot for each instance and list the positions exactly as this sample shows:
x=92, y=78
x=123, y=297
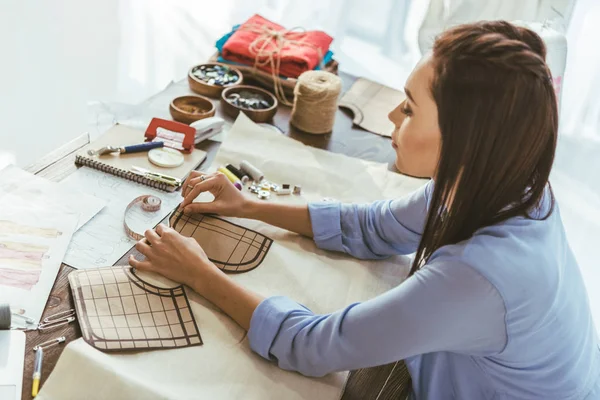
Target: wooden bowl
x=263, y=115
x=211, y=90
x=188, y=109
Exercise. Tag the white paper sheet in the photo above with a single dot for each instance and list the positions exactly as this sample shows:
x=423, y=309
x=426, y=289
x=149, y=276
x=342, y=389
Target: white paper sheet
x=103, y=240
x=33, y=242
x=224, y=367
x=37, y=220
x=17, y=186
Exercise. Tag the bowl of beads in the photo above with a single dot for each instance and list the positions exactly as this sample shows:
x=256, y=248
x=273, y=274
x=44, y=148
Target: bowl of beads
x=258, y=104
x=210, y=79
x=191, y=108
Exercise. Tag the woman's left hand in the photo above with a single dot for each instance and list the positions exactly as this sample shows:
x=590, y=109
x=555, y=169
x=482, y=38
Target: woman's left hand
x=174, y=256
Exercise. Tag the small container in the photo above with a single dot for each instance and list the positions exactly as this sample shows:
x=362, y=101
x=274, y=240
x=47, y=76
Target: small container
x=190, y=108
x=210, y=79
x=259, y=98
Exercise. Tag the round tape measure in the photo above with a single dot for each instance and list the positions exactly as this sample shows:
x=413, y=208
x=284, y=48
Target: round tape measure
x=165, y=157
x=148, y=203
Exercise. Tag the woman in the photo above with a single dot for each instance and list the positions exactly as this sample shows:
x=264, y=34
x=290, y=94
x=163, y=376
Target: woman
x=495, y=306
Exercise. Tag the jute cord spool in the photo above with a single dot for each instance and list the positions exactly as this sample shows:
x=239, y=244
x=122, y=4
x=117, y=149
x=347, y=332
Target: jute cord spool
x=315, y=101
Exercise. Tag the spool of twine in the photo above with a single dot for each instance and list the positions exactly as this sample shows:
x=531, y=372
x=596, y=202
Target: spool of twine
x=315, y=101
x=5, y=316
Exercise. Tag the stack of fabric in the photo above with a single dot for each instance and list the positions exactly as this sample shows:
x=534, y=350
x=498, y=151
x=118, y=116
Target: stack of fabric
x=272, y=56
x=302, y=51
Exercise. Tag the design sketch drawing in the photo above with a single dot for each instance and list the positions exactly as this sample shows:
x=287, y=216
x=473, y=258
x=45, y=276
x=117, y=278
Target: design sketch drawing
x=231, y=247
x=10, y=227
x=103, y=241
x=21, y=263
x=119, y=311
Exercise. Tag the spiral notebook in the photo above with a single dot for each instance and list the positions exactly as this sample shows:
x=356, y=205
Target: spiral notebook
x=121, y=164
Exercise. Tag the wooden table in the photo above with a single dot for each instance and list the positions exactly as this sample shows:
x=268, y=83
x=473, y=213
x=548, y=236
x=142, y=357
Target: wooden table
x=384, y=382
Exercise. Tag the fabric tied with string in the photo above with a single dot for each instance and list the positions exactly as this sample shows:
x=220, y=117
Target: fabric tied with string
x=272, y=48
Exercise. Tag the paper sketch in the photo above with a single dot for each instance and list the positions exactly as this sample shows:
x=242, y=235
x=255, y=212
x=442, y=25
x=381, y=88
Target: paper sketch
x=29, y=255
x=18, y=186
x=20, y=279
x=103, y=240
x=117, y=311
x=231, y=247
x=24, y=261
x=9, y=227
x=33, y=243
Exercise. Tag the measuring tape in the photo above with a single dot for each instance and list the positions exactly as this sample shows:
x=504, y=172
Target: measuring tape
x=149, y=203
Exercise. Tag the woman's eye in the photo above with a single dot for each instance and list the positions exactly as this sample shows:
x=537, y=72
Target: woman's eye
x=406, y=111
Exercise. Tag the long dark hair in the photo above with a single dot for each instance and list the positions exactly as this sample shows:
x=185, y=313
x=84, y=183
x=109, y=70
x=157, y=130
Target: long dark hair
x=498, y=118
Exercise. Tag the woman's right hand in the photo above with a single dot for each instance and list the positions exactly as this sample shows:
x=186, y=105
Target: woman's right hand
x=229, y=201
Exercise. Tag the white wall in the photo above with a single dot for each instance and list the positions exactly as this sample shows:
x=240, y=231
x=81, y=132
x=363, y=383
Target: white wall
x=56, y=55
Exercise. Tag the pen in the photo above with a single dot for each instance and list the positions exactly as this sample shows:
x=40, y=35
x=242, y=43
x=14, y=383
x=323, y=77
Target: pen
x=37, y=371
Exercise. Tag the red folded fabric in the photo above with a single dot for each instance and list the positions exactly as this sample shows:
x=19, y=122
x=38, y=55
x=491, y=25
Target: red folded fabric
x=296, y=58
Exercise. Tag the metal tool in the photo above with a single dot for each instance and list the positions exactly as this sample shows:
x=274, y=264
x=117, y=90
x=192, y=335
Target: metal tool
x=170, y=180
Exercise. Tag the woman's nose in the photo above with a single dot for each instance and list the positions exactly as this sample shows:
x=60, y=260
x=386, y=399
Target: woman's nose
x=396, y=115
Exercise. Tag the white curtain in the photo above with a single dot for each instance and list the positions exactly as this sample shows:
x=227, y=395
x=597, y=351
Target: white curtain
x=445, y=13
x=161, y=40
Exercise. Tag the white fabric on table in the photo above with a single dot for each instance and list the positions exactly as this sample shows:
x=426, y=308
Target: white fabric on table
x=225, y=367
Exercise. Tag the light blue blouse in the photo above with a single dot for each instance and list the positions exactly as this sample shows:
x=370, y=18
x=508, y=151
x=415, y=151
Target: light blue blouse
x=503, y=314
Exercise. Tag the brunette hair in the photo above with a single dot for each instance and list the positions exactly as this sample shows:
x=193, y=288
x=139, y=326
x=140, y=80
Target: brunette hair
x=498, y=118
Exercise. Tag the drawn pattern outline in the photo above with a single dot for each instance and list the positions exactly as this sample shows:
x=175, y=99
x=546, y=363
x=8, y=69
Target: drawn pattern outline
x=118, y=311
x=231, y=247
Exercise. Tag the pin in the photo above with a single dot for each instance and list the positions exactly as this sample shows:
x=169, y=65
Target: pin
x=52, y=325
x=60, y=339
x=59, y=316
x=57, y=320
x=24, y=317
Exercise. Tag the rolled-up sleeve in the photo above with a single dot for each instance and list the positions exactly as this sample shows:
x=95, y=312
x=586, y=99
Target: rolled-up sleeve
x=371, y=231
x=443, y=307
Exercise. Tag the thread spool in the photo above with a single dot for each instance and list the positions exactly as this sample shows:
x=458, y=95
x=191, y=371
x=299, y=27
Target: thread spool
x=255, y=173
x=315, y=101
x=235, y=171
x=5, y=316
x=242, y=177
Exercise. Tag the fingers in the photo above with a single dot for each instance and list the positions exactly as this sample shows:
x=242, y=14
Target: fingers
x=160, y=229
x=143, y=247
x=202, y=186
x=164, y=231
x=191, y=176
x=141, y=265
x=194, y=178
x=151, y=236
x=167, y=234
